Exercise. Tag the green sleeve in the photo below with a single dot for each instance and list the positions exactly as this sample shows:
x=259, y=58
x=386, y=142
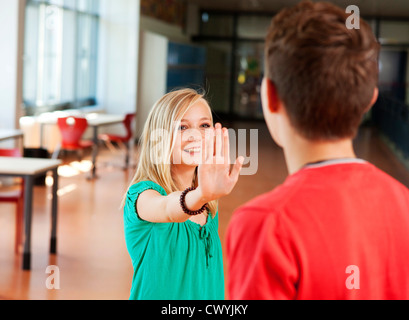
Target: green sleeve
x=132, y=195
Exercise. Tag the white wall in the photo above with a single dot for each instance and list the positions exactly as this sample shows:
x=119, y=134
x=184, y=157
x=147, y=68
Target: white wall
x=153, y=51
x=170, y=31
x=118, y=55
x=152, y=74
x=11, y=59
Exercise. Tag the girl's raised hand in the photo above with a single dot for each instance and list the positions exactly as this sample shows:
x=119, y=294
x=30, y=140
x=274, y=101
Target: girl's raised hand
x=215, y=179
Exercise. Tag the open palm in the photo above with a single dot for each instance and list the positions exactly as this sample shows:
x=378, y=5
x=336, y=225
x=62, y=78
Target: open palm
x=215, y=179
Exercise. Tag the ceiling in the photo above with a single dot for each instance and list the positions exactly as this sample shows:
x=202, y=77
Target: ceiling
x=391, y=8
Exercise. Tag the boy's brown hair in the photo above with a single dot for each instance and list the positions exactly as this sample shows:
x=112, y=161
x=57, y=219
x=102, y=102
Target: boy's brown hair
x=324, y=73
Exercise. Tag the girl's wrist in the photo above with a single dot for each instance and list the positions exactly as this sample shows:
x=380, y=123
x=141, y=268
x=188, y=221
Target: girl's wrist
x=200, y=196
x=193, y=200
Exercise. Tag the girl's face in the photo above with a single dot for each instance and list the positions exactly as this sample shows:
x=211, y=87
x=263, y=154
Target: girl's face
x=190, y=134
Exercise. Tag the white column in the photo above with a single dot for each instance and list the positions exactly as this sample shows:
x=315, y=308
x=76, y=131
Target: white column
x=152, y=74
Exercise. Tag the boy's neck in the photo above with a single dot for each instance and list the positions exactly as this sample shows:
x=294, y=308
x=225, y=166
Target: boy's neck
x=300, y=152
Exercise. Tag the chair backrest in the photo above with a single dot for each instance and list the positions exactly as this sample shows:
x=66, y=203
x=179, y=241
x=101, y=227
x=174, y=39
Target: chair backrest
x=128, y=124
x=72, y=129
x=15, y=152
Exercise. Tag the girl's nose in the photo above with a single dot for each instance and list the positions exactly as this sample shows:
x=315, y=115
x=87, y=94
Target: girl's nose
x=193, y=135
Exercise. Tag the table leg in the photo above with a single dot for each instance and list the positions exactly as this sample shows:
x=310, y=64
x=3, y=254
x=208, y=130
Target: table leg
x=94, y=153
x=54, y=207
x=28, y=205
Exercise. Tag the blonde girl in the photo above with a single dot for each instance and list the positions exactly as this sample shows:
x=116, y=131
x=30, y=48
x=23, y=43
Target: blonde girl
x=170, y=208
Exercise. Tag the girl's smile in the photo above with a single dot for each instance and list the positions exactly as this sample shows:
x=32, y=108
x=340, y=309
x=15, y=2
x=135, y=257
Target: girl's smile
x=191, y=134
x=193, y=150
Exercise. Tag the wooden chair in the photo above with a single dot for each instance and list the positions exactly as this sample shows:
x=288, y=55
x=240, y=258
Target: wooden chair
x=121, y=141
x=72, y=130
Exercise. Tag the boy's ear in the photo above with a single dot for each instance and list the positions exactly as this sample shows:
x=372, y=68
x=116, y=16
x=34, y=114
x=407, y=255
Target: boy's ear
x=373, y=100
x=273, y=100
x=375, y=96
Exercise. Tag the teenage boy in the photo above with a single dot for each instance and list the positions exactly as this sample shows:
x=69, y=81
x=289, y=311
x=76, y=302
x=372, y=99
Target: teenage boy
x=338, y=227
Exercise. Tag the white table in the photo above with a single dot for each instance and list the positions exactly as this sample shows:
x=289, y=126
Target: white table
x=29, y=168
x=95, y=120
x=10, y=134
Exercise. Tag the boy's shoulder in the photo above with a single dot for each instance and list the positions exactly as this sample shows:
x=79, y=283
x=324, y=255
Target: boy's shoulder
x=310, y=186
x=271, y=202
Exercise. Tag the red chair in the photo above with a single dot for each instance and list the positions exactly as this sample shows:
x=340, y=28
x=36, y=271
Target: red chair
x=72, y=130
x=121, y=140
x=16, y=196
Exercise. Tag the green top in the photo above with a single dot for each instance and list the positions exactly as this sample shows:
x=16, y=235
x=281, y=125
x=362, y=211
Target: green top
x=172, y=261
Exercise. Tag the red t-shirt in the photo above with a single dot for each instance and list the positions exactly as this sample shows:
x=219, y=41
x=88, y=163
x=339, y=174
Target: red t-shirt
x=330, y=231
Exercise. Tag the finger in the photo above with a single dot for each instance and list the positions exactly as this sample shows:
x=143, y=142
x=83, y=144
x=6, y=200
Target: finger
x=234, y=174
x=226, y=146
x=219, y=141
x=209, y=145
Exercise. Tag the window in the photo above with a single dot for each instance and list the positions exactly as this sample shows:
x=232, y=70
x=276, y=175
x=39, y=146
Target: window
x=60, y=54
x=394, y=32
x=218, y=74
x=234, y=45
x=249, y=58
x=253, y=26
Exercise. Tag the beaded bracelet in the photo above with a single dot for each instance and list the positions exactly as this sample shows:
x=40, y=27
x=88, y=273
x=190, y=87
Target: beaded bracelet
x=183, y=204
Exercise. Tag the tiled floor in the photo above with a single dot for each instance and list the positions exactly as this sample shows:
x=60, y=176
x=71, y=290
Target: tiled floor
x=92, y=258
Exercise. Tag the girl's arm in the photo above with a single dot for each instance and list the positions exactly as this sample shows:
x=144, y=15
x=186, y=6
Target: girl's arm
x=214, y=181
x=152, y=206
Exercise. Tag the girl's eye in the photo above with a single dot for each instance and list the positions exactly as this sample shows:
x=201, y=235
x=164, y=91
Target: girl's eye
x=205, y=125
x=183, y=127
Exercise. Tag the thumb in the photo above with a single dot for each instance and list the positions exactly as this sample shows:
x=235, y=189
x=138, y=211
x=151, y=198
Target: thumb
x=237, y=167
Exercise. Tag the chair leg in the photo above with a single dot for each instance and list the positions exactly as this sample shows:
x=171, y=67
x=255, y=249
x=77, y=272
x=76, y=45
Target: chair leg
x=56, y=152
x=110, y=146
x=127, y=151
x=80, y=155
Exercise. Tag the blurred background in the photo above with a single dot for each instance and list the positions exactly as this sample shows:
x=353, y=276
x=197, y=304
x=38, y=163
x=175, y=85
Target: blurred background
x=120, y=56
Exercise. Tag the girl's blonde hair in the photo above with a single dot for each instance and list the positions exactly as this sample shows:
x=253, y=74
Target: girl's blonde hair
x=158, y=139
